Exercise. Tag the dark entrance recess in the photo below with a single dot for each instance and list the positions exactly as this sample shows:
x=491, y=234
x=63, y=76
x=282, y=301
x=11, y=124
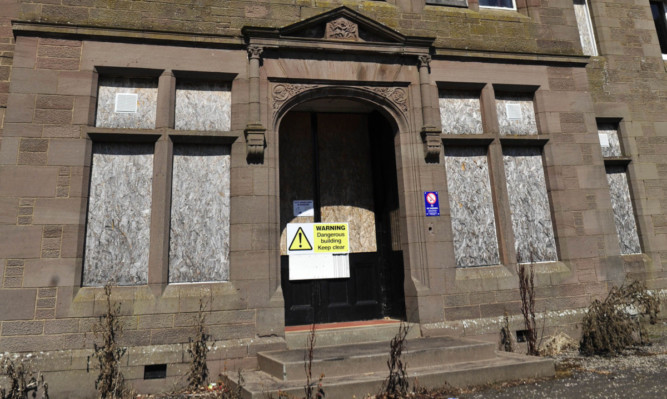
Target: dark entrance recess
x=345, y=163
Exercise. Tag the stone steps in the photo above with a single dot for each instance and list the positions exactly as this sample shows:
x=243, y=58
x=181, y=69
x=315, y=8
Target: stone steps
x=360, y=369
x=350, y=335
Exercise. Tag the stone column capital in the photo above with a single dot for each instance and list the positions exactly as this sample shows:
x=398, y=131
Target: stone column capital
x=255, y=52
x=424, y=60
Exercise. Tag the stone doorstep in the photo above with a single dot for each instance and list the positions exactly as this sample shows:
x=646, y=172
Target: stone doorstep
x=502, y=367
x=354, y=359
x=348, y=333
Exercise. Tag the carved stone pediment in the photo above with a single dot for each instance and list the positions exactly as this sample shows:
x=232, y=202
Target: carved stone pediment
x=341, y=23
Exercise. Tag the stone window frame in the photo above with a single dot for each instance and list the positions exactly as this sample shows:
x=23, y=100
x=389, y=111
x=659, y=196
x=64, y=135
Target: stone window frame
x=625, y=161
x=164, y=136
x=494, y=143
x=591, y=27
x=513, y=8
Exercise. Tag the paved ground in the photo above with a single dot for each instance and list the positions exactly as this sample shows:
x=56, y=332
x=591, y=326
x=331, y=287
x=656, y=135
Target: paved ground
x=640, y=374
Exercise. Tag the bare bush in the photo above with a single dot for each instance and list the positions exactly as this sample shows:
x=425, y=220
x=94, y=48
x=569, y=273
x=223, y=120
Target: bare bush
x=22, y=380
x=110, y=383
x=198, y=350
x=527, y=292
x=312, y=390
x=397, y=384
x=616, y=323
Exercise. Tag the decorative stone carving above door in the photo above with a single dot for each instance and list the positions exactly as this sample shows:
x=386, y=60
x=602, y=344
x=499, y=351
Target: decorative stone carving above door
x=342, y=29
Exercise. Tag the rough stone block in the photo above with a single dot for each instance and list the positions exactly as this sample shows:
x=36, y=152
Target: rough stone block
x=22, y=328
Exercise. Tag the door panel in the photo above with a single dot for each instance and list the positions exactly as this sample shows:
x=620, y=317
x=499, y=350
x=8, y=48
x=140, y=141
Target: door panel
x=338, y=168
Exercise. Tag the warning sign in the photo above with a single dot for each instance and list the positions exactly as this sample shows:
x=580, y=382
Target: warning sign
x=318, y=238
x=300, y=242
x=331, y=238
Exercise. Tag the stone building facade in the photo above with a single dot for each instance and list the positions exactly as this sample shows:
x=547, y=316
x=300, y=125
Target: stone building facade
x=161, y=146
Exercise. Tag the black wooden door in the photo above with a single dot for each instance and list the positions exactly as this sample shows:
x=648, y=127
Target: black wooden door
x=375, y=286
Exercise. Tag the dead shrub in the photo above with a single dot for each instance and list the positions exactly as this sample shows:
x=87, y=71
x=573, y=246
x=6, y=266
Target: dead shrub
x=616, y=323
x=198, y=350
x=506, y=341
x=527, y=292
x=397, y=384
x=22, y=380
x=110, y=383
x=312, y=390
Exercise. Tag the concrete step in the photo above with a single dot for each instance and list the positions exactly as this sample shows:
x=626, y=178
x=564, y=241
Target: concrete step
x=349, y=333
x=502, y=367
x=355, y=359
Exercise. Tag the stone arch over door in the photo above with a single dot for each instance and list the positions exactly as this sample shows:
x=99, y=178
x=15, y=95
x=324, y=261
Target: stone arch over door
x=359, y=128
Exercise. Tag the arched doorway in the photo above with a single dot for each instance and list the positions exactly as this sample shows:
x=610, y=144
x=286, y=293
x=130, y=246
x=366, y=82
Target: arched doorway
x=339, y=154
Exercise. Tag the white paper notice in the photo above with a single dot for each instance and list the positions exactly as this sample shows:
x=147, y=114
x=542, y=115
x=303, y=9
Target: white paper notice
x=303, y=208
x=319, y=266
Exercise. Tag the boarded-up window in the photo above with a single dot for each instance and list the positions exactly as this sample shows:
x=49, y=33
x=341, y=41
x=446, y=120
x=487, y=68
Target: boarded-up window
x=460, y=112
x=621, y=203
x=199, y=235
x=471, y=206
x=128, y=103
x=119, y=214
x=609, y=141
x=516, y=114
x=585, y=26
x=529, y=205
x=203, y=106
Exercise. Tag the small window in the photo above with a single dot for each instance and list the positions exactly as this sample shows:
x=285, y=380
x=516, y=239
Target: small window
x=660, y=20
x=508, y=4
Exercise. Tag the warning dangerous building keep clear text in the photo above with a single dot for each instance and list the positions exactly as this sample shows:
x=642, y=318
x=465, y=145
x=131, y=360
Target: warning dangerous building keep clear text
x=310, y=238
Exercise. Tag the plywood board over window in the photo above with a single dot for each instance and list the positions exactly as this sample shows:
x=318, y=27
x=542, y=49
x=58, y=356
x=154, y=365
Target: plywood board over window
x=199, y=233
x=624, y=217
x=471, y=206
x=516, y=114
x=460, y=112
x=203, y=105
x=609, y=141
x=534, y=239
x=119, y=214
x=126, y=103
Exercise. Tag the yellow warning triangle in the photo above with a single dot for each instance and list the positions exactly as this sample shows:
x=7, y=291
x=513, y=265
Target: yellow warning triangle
x=300, y=242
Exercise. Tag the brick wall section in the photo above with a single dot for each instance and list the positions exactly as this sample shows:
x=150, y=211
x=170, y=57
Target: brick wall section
x=546, y=26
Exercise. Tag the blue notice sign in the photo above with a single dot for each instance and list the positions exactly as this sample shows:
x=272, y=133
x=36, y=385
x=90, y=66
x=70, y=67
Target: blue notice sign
x=431, y=203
